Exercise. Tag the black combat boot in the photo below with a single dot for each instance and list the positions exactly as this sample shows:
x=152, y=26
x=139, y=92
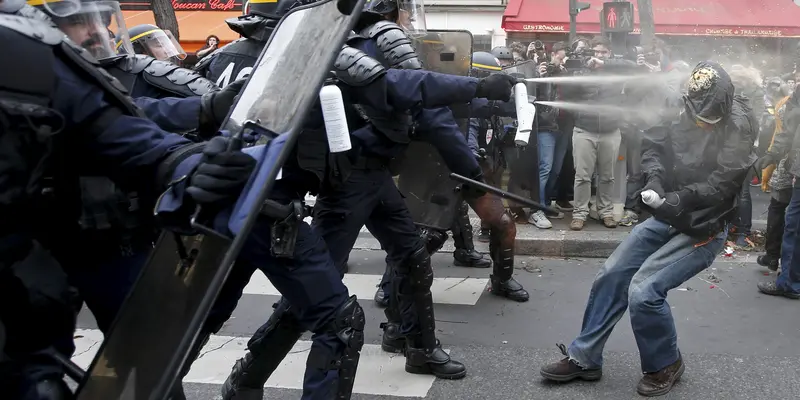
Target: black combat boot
x=431, y=360
x=503, y=282
x=465, y=254
x=267, y=349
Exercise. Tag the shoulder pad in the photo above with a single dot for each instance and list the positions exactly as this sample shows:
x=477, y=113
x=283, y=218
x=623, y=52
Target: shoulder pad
x=32, y=28
x=176, y=80
x=380, y=27
x=135, y=64
x=395, y=45
x=356, y=68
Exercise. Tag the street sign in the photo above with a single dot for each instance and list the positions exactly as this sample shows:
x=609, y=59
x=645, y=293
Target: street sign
x=617, y=17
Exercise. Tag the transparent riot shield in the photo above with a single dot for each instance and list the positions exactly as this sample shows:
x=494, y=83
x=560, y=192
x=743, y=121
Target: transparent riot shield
x=424, y=178
x=150, y=340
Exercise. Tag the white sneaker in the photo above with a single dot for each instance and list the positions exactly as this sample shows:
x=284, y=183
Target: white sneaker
x=540, y=220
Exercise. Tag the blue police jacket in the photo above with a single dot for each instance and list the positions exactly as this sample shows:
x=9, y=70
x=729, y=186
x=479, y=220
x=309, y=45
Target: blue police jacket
x=172, y=114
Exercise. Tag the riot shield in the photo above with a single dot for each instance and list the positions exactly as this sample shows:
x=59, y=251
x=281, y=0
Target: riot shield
x=150, y=340
x=523, y=161
x=430, y=194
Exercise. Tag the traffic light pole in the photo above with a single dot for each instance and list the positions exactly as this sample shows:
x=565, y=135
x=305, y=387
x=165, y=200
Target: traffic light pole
x=575, y=7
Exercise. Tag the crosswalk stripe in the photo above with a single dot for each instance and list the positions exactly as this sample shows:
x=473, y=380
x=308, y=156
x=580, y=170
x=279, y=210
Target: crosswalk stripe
x=460, y=291
x=379, y=373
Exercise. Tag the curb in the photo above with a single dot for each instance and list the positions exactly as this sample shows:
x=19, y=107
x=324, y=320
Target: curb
x=547, y=243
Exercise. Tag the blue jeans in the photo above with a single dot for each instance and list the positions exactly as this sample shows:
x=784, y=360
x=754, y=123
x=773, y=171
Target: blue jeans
x=547, y=149
x=790, y=251
x=559, y=153
x=653, y=259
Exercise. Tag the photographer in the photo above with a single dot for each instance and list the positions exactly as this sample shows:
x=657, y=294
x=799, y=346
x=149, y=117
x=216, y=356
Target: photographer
x=596, y=135
x=552, y=141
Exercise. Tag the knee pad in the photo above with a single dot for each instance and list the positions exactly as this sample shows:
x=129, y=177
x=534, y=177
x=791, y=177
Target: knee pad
x=507, y=224
x=347, y=325
x=434, y=239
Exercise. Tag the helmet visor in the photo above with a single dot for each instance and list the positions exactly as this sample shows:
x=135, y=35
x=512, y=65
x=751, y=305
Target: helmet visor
x=98, y=27
x=160, y=45
x=57, y=8
x=411, y=16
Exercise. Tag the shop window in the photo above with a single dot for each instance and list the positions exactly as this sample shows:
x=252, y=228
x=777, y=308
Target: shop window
x=481, y=43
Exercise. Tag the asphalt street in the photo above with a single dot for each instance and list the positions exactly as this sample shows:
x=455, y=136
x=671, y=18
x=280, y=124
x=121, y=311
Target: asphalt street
x=736, y=343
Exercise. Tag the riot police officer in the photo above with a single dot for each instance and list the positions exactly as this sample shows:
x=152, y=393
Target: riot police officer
x=503, y=55
x=153, y=41
x=51, y=89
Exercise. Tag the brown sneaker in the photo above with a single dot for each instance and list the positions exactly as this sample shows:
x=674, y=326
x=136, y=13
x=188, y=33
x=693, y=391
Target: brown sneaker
x=661, y=382
x=609, y=222
x=567, y=370
x=576, y=224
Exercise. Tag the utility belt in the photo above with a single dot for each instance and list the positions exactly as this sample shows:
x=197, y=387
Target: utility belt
x=287, y=217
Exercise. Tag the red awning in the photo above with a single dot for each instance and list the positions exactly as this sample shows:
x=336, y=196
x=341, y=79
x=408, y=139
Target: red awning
x=745, y=18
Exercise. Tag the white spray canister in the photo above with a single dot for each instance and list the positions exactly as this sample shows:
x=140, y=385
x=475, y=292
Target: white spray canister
x=524, y=115
x=651, y=198
x=330, y=98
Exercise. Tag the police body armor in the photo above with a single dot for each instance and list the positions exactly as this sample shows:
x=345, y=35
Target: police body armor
x=234, y=61
x=31, y=280
x=144, y=76
x=398, y=52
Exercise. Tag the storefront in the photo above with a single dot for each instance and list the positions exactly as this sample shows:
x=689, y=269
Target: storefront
x=197, y=19
x=732, y=28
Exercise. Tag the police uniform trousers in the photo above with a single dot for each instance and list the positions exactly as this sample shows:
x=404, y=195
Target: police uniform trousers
x=313, y=299
x=370, y=194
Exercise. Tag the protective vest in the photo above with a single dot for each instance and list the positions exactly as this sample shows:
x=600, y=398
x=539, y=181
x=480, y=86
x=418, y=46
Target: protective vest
x=144, y=76
x=396, y=51
x=43, y=44
x=233, y=62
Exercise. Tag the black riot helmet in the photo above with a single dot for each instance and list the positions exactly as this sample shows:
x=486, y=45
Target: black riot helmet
x=262, y=16
x=96, y=25
x=409, y=14
x=484, y=64
x=272, y=9
x=503, y=54
x=157, y=43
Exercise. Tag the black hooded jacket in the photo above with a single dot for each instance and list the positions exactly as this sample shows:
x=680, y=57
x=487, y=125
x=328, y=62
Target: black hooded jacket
x=706, y=167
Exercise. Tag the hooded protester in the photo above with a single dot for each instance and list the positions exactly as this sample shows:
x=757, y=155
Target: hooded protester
x=785, y=151
x=695, y=161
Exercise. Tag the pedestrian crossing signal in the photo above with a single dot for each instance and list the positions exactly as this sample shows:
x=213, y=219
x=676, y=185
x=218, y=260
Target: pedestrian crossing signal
x=617, y=17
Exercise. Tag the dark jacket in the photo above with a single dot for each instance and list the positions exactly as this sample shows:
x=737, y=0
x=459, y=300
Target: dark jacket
x=602, y=94
x=707, y=167
x=786, y=143
x=548, y=116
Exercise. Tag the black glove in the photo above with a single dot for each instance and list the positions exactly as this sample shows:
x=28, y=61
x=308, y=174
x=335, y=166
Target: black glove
x=496, y=87
x=765, y=161
x=472, y=192
x=654, y=185
x=214, y=107
x=221, y=174
x=480, y=155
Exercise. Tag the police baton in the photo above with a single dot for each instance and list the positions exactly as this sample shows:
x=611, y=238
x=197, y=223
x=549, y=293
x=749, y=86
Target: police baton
x=502, y=193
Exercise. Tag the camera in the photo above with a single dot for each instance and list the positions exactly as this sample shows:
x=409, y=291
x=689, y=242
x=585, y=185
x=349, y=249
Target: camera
x=649, y=57
x=578, y=60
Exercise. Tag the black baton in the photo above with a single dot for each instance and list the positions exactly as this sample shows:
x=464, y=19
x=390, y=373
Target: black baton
x=502, y=193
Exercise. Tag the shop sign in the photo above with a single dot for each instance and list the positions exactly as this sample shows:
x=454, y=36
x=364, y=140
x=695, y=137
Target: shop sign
x=545, y=28
x=186, y=5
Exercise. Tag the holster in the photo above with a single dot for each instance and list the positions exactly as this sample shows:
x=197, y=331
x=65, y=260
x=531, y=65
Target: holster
x=283, y=233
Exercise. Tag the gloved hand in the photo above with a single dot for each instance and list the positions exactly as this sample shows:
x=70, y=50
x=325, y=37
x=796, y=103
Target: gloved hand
x=480, y=155
x=496, y=87
x=214, y=107
x=221, y=174
x=472, y=192
x=765, y=161
x=654, y=184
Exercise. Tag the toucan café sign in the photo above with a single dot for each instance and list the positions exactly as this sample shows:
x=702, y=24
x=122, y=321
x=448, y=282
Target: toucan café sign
x=186, y=5
x=709, y=31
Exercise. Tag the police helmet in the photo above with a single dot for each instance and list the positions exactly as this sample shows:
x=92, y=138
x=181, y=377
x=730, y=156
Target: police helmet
x=95, y=25
x=155, y=42
x=273, y=9
x=409, y=14
x=9, y=7
x=502, y=53
x=484, y=64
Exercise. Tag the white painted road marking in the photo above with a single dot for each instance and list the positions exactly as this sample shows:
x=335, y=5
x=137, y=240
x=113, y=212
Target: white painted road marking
x=461, y=291
x=379, y=373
